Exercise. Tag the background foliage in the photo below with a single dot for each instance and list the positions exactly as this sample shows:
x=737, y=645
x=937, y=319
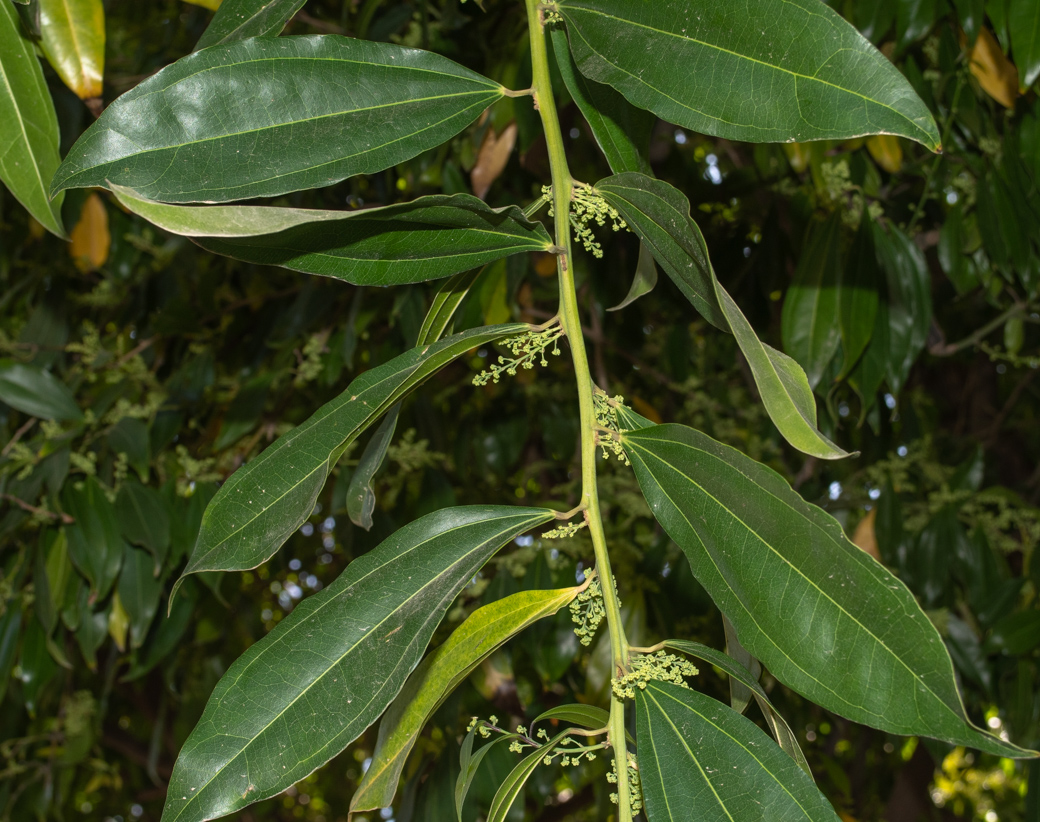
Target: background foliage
x=137, y=371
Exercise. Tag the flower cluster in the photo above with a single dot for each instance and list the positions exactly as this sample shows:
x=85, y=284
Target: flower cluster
x=609, y=438
x=635, y=785
x=525, y=348
x=564, y=531
x=660, y=667
x=587, y=611
x=587, y=207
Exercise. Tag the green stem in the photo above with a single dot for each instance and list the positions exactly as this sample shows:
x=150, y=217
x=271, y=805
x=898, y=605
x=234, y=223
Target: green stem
x=571, y=321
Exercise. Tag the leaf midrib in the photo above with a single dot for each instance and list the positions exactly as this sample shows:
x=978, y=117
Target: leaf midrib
x=26, y=55
x=822, y=593
x=349, y=650
x=796, y=75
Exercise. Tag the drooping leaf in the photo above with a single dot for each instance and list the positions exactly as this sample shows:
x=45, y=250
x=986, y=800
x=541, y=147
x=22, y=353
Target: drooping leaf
x=513, y=785
x=350, y=648
x=361, y=498
x=997, y=75
x=644, y=280
x=143, y=519
x=447, y=299
x=1024, y=23
x=858, y=296
x=660, y=215
x=914, y=19
x=271, y=496
x=29, y=139
x=740, y=695
x=439, y=674
x=799, y=593
x=166, y=636
x=587, y=716
x=36, y=392
x=738, y=673
x=270, y=115
x=90, y=239
x=469, y=764
x=811, y=326
x=909, y=300
x=240, y=19
x=10, y=629
x=73, y=39
x=95, y=544
x=700, y=761
x=37, y=666
x=760, y=71
x=426, y=239
x=622, y=131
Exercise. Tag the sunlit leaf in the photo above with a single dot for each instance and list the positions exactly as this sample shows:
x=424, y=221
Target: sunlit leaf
x=269, y=115
x=761, y=71
x=349, y=649
x=799, y=593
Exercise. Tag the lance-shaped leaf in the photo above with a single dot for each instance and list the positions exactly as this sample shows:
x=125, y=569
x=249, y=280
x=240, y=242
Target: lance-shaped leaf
x=760, y=71
x=858, y=296
x=95, y=544
x=269, y=115
x=29, y=137
x=37, y=392
x=782, y=732
x=1024, y=24
x=445, y=302
x=305, y=691
x=425, y=239
x=72, y=33
x=821, y=614
x=660, y=214
x=810, y=322
x=513, y=784
x=439, y=674
x=644, y=280
x=241, y=19
x=269, y=497
x=700, y=761
x=622, y=131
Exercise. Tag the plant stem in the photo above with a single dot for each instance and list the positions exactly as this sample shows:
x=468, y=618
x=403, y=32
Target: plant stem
x=571, y=321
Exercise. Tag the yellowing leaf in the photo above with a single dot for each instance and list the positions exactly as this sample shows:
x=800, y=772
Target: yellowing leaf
x=118, y=622
x=90, y=238
x=996, y=74
x=73, y=39
x=886, y=151
x=865, y=536
x=212, y=5
x=492, y=158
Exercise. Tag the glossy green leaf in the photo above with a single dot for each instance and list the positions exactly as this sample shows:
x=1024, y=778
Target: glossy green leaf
x=139, y=591
x=972, y=16
x=909, y=301
x=29, y=139
x=166, y=636
x=439, y=674
x=240, y=19
x=269, y=115
x=586, y=716
x=760, y=71
x=700, y=761
x=10, y=629
x=53, y=578
x=513, y=785
x=37, y=666
x=739, y=673
x=621, y=130
x=143, y=519
x=95, y=544
x=271, y=496
x=445, y=302
x=130, y=436
x=1024, y=23
x=92, y=630
x=914, y=19
x=1016, y=634
x=644, y=280
x=868, y=374
x=72, y=33
x=361, y=498
x=36, y=392
x=799, y=593
x=425, y=239
x=350, y=648
x=660, y=215
x=810, y=321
